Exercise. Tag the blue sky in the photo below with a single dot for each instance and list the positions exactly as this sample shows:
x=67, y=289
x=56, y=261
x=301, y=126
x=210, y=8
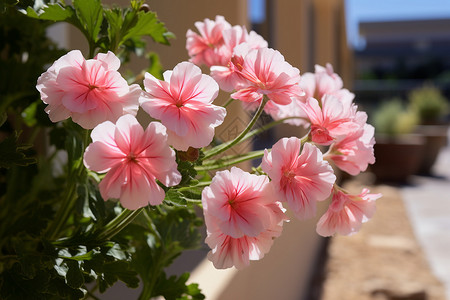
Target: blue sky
x=388, y=10
x=257, y=11
x=374, y=10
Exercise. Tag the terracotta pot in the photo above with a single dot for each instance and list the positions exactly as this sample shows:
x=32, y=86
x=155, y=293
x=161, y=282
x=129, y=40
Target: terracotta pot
x=397, y=157
x=435, y=140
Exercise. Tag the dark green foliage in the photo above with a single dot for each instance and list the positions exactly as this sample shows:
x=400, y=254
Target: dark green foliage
x=119, y=30
x=26, y=51
x=53, y=215
x=13, y=154
x=173, y=230
x=174, y=287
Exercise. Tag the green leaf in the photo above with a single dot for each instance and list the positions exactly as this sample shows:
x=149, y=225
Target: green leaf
x=31, y=13
x=148, y=24
x=56, y=12
x=155, y=67
x=28, y=266
x=187, y=171
x=53, y=12
x=136, y=4
x=4, y=4
x=13, y=154
x=174, y=288
x=95, y=264
x=29, y=114
x=16, y=287
x=110, y=265
x=117, y=252
x=96, y=203
x=74, y=276
x=194, y=292
x=120, y=270
x=90, y=14
x=193, y=194
x=74, y=144
x=181, y=197
x=3, y=118
x=59, y=288
x=115, y=22
x=175, y=197
x=86, y=256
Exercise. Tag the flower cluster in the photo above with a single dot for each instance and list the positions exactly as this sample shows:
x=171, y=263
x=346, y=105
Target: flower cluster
x=300, y=175
x=243, y=212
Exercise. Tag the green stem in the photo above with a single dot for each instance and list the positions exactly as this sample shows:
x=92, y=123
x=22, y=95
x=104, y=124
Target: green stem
x=229, y=161
x=91, y=48
x=68, y=203
x=33, y=135
x=305, y=138
x=266, y=127
x=228, y=102
x=63, y=212
x=198, y=185
x=327, y=155
x=119, y=223
x=155, y=271
x=147, y=291
x=225, y=146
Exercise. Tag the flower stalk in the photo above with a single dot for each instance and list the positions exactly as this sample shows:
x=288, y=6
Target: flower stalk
x=225, y=146
x=68, y=203
x=118, y=223
x=229, y=161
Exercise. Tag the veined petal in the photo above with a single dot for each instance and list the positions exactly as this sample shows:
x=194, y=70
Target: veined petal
x=110, y=59
x=133, y=160
x=183, y=104
x=140, y=190
x=101, y=157
x=111, y=184
x=91, y=91
x=128, y=134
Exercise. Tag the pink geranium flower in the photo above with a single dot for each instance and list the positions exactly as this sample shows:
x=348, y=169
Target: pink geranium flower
x=300, y=179
x=354, y=152
x=183, y=103
x=227, y=251
x=203, y=47
x=224, y=73
x=239, y=202
x=133, y=159
x=237, y=35
x=322, y=81
x=331, y=120
x=90, y=91
x=266, y=73
x=346, y=213
x=242, y=217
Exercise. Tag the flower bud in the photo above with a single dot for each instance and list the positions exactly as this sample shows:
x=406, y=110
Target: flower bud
x=190, y=155
x=144, y=7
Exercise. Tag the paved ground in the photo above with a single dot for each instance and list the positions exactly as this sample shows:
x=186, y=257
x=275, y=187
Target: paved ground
x=384, y=260
x=404, y=251
x=428, y=205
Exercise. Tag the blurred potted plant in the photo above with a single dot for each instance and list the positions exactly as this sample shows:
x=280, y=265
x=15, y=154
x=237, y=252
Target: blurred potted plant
x=398, y=150
x=431, y=107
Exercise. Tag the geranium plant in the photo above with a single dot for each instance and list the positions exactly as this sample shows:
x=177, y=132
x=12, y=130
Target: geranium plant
x=109, y=199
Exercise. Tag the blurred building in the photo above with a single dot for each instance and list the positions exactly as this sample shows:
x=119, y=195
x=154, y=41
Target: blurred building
x=398, y=56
